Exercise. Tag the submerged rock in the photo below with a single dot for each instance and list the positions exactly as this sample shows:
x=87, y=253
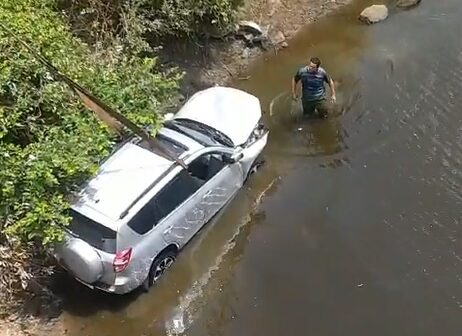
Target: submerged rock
x=407, y=3
x=374, y=14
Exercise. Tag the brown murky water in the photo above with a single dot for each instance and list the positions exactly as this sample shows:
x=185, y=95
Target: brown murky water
x=353, y=227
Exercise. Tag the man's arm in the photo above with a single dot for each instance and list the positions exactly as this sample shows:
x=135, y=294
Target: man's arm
x=294, y=88
x=332, y=89
x=295, y=81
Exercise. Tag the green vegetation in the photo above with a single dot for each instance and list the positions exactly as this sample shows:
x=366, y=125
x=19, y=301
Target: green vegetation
x=49, y=142
x=160, y=19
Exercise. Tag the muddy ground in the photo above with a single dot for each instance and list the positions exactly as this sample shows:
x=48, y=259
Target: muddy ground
x=218, y=61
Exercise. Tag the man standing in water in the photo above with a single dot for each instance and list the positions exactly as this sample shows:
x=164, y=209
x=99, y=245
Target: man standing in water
x=313, y=79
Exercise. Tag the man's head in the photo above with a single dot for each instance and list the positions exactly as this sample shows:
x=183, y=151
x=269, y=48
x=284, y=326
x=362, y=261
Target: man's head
x=314, y=64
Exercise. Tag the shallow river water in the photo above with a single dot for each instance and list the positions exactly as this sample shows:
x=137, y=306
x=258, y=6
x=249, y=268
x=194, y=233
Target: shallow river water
x=354, y=224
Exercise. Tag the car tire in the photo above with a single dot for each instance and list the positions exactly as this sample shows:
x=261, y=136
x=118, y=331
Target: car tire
x=158, y=268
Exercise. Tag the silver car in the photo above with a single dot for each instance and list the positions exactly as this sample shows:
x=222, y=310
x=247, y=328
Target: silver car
x=132, y=218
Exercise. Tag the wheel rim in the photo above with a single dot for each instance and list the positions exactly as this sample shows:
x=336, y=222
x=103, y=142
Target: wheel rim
x=162, y=266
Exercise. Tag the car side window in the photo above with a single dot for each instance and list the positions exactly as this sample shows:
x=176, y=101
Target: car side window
x=206, y=166
x=168, y=199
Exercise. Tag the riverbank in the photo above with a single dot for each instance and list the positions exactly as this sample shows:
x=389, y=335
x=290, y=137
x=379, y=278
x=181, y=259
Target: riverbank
x=222, y=60
x=218, y=62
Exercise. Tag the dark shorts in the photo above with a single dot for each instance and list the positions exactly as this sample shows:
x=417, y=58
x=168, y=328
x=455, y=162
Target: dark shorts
x=315, y=108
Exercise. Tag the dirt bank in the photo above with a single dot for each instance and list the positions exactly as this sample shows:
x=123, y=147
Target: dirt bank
x=217, y=61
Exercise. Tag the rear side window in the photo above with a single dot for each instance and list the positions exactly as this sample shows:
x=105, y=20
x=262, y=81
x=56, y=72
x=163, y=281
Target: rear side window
x=163, y=203
x=95, y=234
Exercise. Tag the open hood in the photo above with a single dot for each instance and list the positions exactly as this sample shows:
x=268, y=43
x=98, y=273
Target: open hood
x=231, y=111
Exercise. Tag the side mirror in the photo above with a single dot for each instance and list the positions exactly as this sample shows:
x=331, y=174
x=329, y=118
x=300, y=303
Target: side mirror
x=230, y=159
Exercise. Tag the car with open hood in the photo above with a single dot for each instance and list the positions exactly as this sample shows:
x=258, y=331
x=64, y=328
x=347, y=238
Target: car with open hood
x=133, y=217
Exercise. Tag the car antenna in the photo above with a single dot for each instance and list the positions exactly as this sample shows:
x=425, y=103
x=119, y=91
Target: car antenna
x=105, y=113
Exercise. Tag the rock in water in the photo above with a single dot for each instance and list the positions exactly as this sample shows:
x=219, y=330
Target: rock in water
x=407, y=3
x=374, y=14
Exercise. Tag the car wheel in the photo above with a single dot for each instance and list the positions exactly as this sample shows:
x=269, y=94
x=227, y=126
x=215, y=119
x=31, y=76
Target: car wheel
x=158, y=268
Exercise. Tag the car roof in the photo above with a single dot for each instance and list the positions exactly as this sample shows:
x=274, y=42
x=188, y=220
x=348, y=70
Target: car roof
x=119, y=182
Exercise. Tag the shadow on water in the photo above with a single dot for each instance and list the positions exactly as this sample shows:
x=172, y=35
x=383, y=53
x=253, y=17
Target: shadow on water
x=82, y=301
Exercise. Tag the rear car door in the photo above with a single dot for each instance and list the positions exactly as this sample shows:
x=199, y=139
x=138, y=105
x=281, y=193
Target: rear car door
x=216, y=183
x=88, y=250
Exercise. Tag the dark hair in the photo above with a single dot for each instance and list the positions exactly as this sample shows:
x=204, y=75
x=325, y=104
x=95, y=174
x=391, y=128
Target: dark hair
x=316, y=61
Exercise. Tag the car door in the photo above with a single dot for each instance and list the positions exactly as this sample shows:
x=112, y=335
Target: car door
x=153, y=221
x=218, y=182
x=224, y=181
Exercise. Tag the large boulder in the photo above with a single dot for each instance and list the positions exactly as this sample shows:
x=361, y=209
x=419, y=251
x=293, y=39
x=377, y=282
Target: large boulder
x=374, y=14
x=407, y=3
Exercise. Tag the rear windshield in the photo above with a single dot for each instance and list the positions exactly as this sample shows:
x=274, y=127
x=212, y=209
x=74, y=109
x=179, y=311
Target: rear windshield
x=95, y=234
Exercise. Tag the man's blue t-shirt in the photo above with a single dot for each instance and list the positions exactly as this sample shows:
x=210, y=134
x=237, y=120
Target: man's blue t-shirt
x=312, y=83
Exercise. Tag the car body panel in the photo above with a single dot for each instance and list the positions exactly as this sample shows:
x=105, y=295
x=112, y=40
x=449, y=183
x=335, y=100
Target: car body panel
x=203, y=205
x=251, y=152
x=119, y=181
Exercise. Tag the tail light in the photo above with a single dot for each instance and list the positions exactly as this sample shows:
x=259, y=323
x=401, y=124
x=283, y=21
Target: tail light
x=121, y=260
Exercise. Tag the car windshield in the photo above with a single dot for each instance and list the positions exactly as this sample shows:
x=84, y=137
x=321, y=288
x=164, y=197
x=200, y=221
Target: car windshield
x=93, y=233
x=205, y=135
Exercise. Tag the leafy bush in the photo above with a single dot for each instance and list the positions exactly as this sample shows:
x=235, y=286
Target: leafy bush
x=49, y=142
x=179, y=17
x=163, y=18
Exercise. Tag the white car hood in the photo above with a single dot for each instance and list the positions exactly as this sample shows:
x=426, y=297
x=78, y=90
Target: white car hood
x=231, y=111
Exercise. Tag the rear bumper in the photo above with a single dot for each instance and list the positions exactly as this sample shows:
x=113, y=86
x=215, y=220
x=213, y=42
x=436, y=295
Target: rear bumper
x=121, y=285
x=119, y=289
